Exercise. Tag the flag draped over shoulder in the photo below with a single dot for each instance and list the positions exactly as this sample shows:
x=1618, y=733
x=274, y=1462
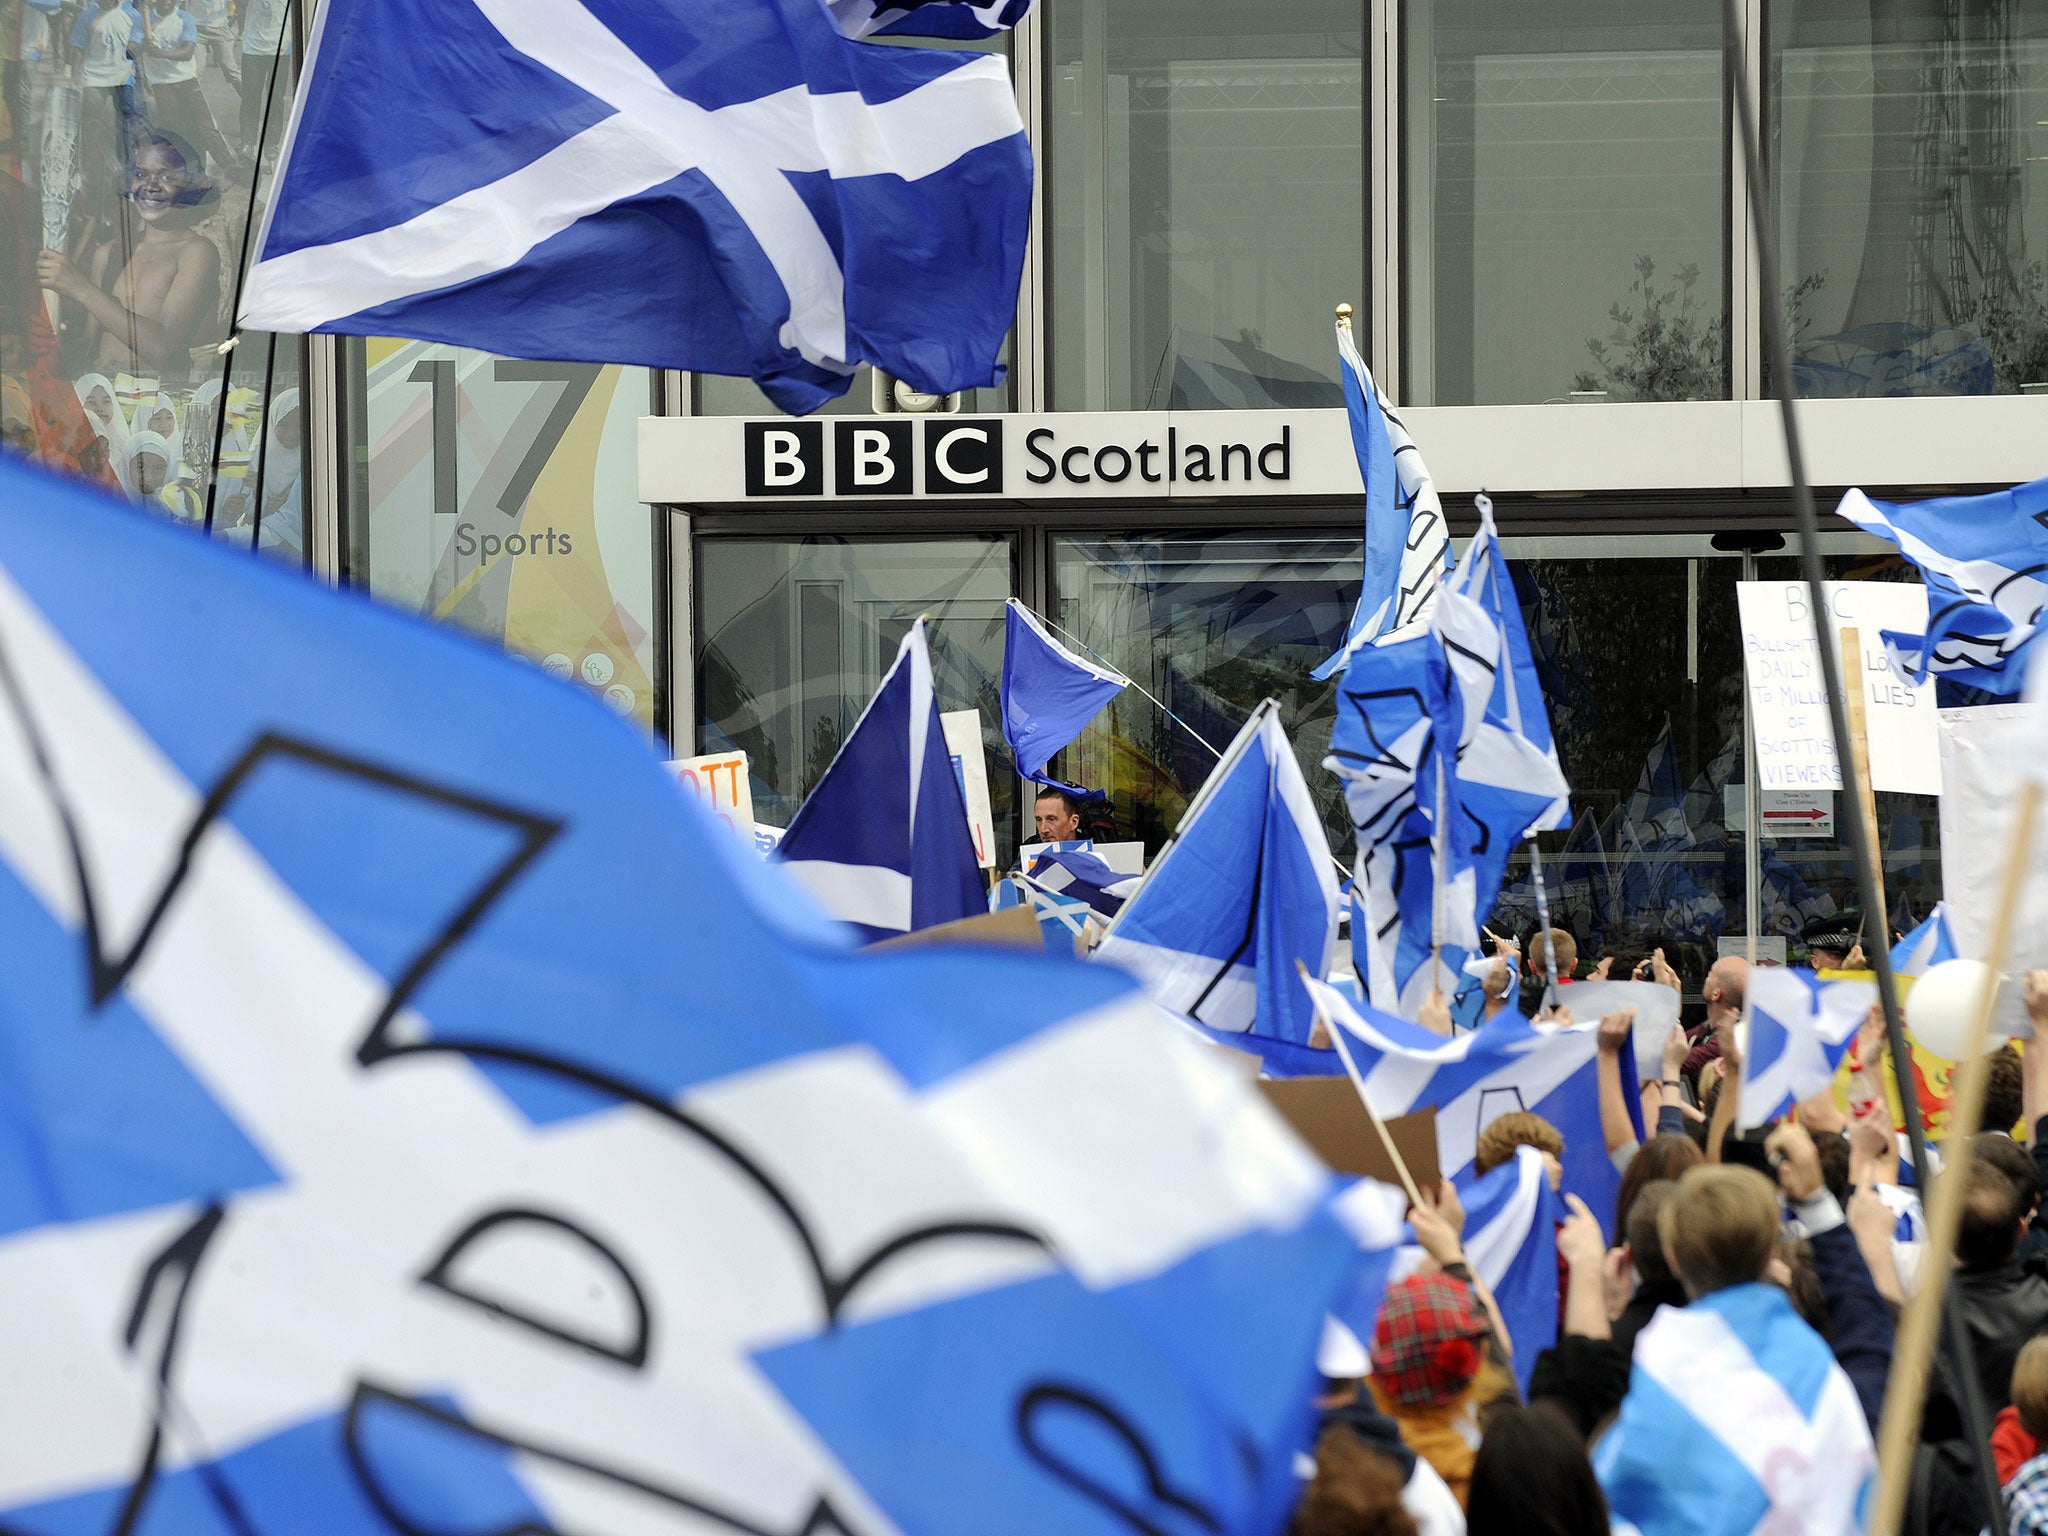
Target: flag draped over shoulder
x=1985, y=562
x=512, y=1149
x=1049, y=693
x=883, y=841
x=739, y=172
x=1471, y=1080
x=1737, y=1420
x=1243, y=895
x=1800, y=1028
x=1407, y=542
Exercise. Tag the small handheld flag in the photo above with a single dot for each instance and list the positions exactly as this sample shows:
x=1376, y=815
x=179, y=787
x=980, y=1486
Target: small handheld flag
x=1800, y=1028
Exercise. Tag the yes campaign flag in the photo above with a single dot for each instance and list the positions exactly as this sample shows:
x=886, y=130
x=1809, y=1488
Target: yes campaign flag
x=1407, y=540
x=1984, y=560
x=1243, y=895
x=883, y=842
x=1507, y=1064
x=1049, y=693
x=419, y=1117
x=1800, y=1028
x=719, y=185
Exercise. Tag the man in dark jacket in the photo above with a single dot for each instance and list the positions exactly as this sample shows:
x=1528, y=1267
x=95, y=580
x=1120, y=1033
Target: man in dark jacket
x=2002, y=1300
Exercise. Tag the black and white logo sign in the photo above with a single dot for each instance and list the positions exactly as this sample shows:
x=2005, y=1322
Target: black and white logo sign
x=873, y=458
x=963, y=457
x=785, y=458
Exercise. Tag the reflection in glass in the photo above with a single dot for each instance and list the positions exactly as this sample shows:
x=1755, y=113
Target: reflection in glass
x=1564, y=176
x=501, y=496
x=794, y=636
x=1209, y=627
x=1205, y=200
x=1910, y=149
x=123, y=207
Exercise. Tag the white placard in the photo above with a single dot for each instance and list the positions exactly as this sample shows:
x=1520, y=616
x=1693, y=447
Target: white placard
x=1798, y=813
x=1795, y=747
x=1980, y=782
x=720, y=782
x=1656, y=1011
x=970, y=763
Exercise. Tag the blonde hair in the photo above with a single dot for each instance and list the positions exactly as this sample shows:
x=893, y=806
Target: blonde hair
x=1498, y=1141
x=1720, y=1228
x=2030, y=1386
x=1563, y=945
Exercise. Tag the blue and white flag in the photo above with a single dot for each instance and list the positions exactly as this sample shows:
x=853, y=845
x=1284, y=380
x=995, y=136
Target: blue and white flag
x=1407, y=540
x=1471, y=1080
x=420, y=1117
x=1511, y=1218
x=883, y=842
x=1929, y=945
x=1080, y=875
x=1984, y=560
x=964, y=19
x=1049, y=693
x=1243, y=895
x=1800, y=1028
x=1737, y=1420
x=718, y=185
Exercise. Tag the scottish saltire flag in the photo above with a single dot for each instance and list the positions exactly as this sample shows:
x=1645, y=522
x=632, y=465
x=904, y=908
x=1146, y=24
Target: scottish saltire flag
x=1383, y=749
x=1049, y=693
x=1080, y=875
x=1472, y=1080
x=1062, y=919
x=1516, y=704
x=1407, y=540
x=1737, y=1420
x=1929, y=945
x=967, y=19
x=1984, y=560
x=421, y=1118
x=720, y=185
x=1243, y=895
x=883, y=841
x=1511, y=1218
x=1800, y=1028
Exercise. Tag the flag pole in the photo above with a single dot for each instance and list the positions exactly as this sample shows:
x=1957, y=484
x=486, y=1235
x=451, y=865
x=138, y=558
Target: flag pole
x=1132, y=682
x=1336, y=1034
x=1438, y=858
x=1778, y=353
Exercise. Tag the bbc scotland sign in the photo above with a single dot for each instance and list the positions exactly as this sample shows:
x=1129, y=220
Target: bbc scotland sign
x=1078, y=456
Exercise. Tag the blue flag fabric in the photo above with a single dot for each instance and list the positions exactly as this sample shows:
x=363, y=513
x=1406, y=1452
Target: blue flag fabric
x=1737, y=1419
x=883, y=841
x=1078, y=874
x=1049, y=693
x=961, y=19
x=1507, y=1064
x=1985, y=562
x=513, y=1149
x=1407, y=543
x=739, y=170
x=1800, y=1028
x=1927, y=946
x=1244, y=893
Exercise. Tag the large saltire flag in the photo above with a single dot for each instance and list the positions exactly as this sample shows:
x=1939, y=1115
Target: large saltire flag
x=1242, y=898
x=883, y=841
x=418, y=1117
x=719, y=185
x=1407, y=539
x=1984, y=560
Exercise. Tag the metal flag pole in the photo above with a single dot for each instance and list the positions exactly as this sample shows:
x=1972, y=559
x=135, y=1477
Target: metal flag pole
x=1890, y=1503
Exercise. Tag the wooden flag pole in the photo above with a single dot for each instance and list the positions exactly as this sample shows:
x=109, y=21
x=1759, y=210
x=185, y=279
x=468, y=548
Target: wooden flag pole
x=1336, y=1034
x=1859, y=750
x=1913, y=1355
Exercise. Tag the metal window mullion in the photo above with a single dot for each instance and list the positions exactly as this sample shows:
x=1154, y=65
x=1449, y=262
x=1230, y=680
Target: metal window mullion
x=1027, y=73
x=1745, y=349
x=1382, y=121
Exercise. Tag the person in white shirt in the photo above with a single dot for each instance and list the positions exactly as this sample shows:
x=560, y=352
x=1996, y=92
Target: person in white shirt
x=169, y=49
x=263, y=39
x=109, y=116
x=216, y=40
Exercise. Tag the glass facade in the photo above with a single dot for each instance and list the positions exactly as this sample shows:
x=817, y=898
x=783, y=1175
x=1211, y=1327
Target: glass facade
x=137, y=138
x=1911, y=149
x=795, y=634
x=1205, y=204
x=500, y=496
x=1564, y=173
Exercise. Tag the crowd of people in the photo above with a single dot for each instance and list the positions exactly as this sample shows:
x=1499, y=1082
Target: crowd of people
x=1741, y=1303
x=129, y=154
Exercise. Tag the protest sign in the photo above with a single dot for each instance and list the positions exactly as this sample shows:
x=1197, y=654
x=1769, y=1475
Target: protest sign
x=1656, y=1009
x=720, y=782
x=1325, y=1113
x=1795, y=748
x=970, y=765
